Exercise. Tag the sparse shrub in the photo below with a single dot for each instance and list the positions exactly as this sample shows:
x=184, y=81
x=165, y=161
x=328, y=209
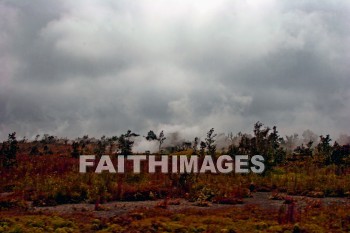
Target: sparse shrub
x=8, y=151
x=34, y=150
x=75, y=148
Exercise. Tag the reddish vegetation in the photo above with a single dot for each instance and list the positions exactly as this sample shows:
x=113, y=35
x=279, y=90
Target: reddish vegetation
x=32, y=182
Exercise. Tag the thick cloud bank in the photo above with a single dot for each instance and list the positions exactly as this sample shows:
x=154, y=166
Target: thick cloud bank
x=70, y=68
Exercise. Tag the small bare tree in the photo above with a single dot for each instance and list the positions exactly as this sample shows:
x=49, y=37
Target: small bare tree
x=210, y=142
x=161, y=138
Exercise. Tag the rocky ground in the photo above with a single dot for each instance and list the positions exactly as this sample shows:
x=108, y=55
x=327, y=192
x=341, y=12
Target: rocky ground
x=264, y=200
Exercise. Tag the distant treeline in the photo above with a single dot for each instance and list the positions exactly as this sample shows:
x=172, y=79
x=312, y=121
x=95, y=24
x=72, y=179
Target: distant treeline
x=265, y=141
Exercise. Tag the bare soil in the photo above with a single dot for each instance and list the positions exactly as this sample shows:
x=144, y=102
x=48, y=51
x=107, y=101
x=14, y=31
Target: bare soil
x=111, y=209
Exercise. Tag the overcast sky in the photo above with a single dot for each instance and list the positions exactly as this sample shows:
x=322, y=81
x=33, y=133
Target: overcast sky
x=99, y=67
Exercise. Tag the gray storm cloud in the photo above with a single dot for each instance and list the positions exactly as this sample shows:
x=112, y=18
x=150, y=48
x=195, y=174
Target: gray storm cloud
x=70, y=68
